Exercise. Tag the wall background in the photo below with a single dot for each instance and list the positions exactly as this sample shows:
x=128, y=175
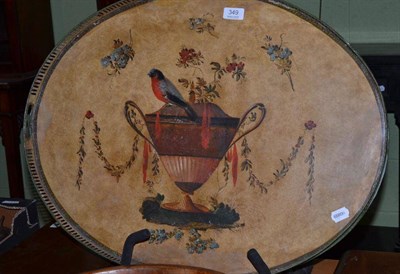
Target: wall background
x=371, y=27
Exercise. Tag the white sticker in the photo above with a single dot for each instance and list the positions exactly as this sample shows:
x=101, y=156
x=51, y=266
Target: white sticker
x=233, y=13
x=340, y=214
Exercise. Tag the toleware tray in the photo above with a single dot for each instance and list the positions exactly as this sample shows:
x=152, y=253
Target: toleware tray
x=219, y=125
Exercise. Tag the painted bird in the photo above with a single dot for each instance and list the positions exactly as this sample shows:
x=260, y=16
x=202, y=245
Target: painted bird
x=166, y=92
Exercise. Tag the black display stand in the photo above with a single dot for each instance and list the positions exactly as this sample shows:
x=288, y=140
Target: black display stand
x=144, y=235
x=130, y=242
x=258, y=263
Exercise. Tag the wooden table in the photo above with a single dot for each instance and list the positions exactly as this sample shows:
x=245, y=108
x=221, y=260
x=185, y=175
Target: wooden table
x=369, y=262
x=50, y=250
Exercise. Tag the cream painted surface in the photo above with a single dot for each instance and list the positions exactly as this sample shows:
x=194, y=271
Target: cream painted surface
x=384, y=210
x=108, y=200
x=364, y=22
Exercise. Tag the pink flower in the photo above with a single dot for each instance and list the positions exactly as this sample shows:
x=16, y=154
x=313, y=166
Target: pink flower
x=231, y=67
x=189, y=56
x=186, y=55
x=310, y=125
x=89, y=114
x=240, y=66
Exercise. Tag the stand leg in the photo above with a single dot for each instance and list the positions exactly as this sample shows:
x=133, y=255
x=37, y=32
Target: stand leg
x=130, y=242
x=258, y=263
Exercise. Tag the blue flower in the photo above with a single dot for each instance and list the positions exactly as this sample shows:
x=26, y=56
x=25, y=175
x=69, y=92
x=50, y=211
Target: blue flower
x=190, y=249
x=194, y=233
x=123, y=61
x=285, y=53
x=272, y=49
x=199, y=250
x=214, y=245
x=105, y=62
x=126, y=49
x=178, y=235
x=116, y=54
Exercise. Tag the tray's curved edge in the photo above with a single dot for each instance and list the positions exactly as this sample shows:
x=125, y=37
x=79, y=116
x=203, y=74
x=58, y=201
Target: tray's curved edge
x=334, y=35
x=30, y=125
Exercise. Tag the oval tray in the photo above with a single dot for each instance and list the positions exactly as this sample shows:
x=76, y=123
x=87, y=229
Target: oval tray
x=284, y=154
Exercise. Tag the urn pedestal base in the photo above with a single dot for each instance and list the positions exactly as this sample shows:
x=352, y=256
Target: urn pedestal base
x=186, y=205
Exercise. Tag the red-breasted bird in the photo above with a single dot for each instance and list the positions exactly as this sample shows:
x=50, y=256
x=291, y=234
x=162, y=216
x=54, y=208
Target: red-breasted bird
x=166, y=92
